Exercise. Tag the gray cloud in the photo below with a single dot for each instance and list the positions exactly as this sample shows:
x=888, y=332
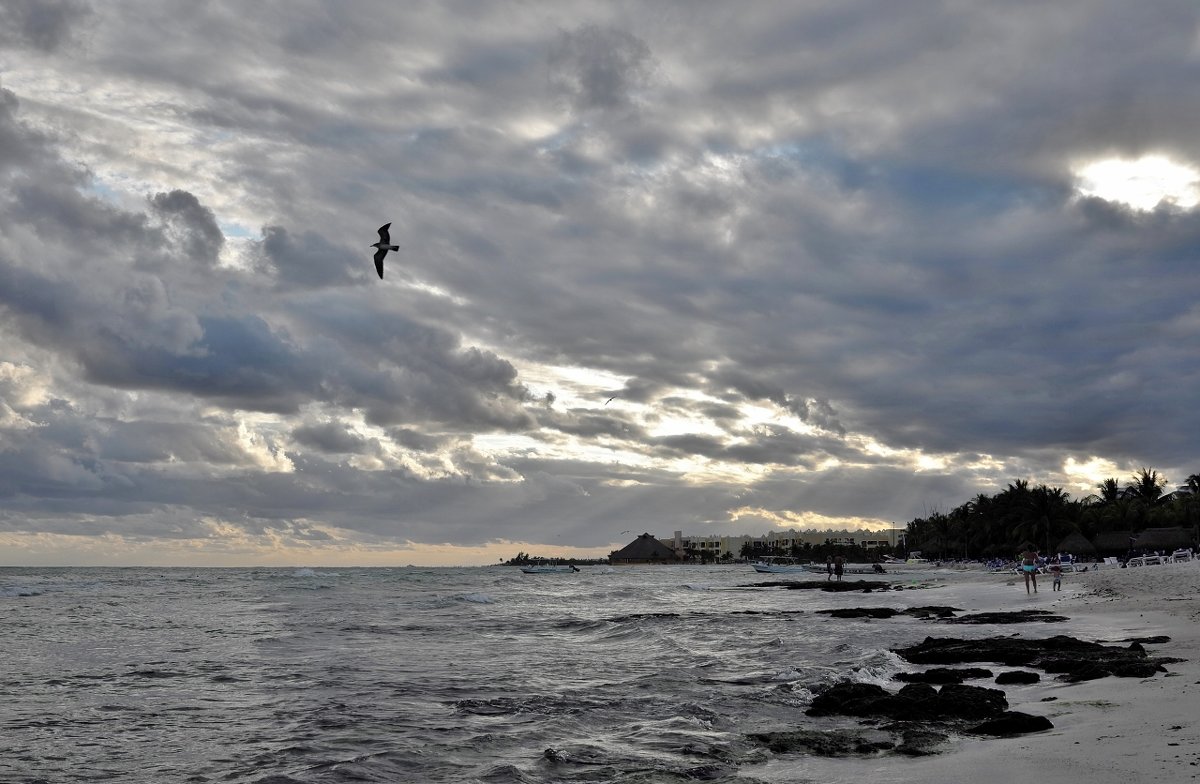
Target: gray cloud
x=191, y=223
x=333, y=437
x=839, y=246
x=41, y=24
x=596, y=67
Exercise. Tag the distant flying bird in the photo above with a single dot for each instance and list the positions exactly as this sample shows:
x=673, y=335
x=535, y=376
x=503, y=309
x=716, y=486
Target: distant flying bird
x=384, y=245
x=611, y=399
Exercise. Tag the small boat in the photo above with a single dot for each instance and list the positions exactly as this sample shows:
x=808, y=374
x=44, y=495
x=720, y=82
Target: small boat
x=914, y=561
x=778, y=564
x=549, y=568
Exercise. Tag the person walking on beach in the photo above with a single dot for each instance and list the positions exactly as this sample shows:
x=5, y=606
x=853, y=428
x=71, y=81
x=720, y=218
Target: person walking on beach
x=838, y=565
x=1029, y=567
x=828, y=568
x=1056, y=573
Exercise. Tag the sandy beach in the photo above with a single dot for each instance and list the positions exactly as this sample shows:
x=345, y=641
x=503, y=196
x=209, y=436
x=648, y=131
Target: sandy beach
x=1106, y=731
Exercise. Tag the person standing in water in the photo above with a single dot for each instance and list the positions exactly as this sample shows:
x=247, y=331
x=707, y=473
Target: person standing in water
x=838, y=565
x=828, y=568
x=1029, y=567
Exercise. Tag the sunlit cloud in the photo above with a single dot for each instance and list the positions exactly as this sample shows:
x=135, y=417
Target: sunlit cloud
x=1141, y=183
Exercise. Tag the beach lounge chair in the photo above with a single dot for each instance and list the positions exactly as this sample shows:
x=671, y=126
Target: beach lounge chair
x=1183, y=555
x=1111, y=561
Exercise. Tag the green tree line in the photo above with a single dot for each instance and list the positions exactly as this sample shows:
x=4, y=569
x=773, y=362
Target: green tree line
x=997, y=525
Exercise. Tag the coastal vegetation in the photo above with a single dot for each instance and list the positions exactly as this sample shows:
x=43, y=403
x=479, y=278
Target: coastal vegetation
x=525, y=559
x=997, y=525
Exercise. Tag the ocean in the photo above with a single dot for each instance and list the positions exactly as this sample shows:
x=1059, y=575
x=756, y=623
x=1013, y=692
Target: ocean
x=631, y=674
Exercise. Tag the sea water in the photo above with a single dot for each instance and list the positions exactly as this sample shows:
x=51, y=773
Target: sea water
x=632, y=674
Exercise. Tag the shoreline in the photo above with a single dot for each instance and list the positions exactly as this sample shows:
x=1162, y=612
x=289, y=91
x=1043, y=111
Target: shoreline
x=1106, y=731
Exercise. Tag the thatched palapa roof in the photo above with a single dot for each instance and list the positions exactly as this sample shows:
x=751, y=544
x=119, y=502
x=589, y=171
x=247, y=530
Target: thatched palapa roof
x=1167, y=540
x=1112, y=542
x=644, y=549
x=1076, y=544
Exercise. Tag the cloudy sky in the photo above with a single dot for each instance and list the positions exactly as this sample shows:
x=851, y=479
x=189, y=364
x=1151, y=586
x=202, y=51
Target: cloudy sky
x=836, y=264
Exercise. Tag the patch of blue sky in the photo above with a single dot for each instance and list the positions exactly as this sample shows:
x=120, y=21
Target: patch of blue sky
x=103, y=191
x=936, y=187
x=814, y=155
x=952, y=188
x=236, y=230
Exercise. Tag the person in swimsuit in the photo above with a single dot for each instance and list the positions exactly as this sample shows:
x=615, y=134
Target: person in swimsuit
x=1029, y=567
x=1056, y=573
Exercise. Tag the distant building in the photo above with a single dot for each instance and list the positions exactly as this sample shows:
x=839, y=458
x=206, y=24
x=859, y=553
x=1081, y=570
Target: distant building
x=644, y=550
x=716, y=546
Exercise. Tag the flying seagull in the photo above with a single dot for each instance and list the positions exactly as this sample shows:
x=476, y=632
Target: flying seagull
x=384, y=245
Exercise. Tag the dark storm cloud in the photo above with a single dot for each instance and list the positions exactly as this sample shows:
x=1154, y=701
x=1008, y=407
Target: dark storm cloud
x=16, y=143
x=853, y=215
x=309, y=260
x=595, y=67
x=333, y=437
x=41, y=24
x=191, y=224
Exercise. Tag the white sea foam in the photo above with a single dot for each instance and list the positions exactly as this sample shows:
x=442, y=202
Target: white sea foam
x=13, y=591
x=878, y=667
x=478, y=598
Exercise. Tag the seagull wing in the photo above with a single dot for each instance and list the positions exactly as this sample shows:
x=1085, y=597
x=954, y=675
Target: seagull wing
x=379, y=254
x=383, y=234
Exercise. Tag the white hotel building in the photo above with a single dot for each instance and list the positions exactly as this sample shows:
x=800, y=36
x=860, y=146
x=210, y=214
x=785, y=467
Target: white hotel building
x=715, y=546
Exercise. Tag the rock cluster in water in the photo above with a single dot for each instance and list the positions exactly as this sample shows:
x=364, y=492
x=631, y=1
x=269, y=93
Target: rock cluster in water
x=919, y=717
x=1071, y=659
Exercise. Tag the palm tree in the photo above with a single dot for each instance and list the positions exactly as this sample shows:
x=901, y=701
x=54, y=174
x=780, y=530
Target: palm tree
x=1110, y=491
x=1147, y=486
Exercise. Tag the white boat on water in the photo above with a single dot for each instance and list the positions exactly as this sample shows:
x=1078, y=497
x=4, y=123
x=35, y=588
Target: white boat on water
x=549, y=568
x=778, y=564
x=913, y=561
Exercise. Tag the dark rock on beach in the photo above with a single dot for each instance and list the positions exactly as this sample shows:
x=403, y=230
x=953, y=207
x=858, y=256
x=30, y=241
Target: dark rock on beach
x=924, y=613
x=832, y=586
x=913, y=721
x=1017, y=616
x=946, y=614
x=1072, y=659
x=1012, y=723
x=829, y=743
x=943, y=675
x=860, y=612
x=914, y=702
x=932, y=611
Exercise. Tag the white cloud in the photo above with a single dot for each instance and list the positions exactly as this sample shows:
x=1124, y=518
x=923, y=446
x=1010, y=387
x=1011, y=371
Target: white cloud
x=828, y=259
x=1143, y=183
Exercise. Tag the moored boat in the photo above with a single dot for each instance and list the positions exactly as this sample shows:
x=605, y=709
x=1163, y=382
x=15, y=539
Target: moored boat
x=777, y=564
